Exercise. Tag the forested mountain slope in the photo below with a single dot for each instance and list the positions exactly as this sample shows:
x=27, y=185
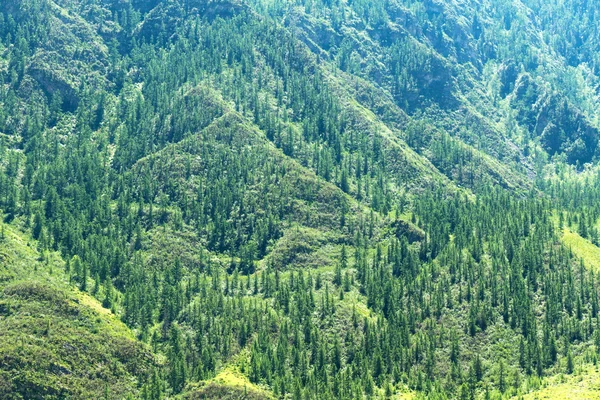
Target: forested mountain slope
x=299, y=199
x=56, y=342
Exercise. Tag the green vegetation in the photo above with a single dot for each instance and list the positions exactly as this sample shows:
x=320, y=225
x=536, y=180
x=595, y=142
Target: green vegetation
x=582, y=385
x=320, y=199
x=56, y=342
x=583, y=249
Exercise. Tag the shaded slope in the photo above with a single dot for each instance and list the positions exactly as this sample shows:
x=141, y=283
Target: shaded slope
x=453, y=62
x=64, y=53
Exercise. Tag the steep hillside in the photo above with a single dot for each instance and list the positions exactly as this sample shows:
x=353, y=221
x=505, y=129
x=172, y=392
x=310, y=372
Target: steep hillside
x=307, y=199
x=456, y=62
x=55, y=341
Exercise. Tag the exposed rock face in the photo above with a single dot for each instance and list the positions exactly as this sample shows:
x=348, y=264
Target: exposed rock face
x=319, y=36
x=52, y=81
x=165, y=17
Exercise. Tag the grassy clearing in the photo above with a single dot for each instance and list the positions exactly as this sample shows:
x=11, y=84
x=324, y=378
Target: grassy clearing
x=230, y=384
x=583, y=386
x=232, y=377
x=582, y=248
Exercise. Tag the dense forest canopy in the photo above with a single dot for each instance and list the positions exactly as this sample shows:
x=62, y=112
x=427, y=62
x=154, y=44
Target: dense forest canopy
x=305, y=199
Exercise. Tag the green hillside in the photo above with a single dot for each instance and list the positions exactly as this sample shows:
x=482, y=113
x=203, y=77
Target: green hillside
x=305, y=199
x=57, y=342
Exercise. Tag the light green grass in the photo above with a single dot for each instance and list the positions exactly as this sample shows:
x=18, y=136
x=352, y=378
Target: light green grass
x=583, y=386
x=230, y=383
x=55, y=341
x=582, y=248
x=232, y=377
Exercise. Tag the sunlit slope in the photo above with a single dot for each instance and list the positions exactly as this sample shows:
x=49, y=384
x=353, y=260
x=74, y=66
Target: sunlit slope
x=584, y=385
x=56, y=342
x=582, y=248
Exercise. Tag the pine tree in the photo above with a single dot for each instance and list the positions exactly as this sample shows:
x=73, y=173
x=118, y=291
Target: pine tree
x=570, y=366
x=337, y=279
x=84, y=278
x=478, y=368
x=501, y=377
x=36, y=230
x=583, y=229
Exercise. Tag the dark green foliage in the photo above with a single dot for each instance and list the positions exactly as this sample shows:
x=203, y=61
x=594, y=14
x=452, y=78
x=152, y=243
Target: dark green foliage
x=328, y=196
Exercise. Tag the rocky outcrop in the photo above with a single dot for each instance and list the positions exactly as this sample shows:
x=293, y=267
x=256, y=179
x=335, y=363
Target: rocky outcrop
x=54, y=79
x=411, y=232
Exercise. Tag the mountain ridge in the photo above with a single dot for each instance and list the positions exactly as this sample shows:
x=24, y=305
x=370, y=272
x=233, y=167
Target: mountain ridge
x=309, y=199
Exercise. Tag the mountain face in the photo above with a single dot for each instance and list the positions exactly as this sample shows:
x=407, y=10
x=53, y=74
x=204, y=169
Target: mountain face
x=298, y=199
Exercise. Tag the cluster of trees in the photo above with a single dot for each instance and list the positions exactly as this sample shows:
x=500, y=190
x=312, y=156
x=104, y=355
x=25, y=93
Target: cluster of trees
x=215, y=136
x=430, y=306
